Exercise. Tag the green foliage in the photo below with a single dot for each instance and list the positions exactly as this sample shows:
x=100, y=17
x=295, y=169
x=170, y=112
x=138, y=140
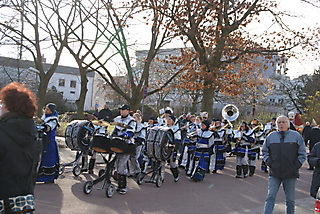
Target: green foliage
x=53, y=96
x=312, y=110
x=312, y=84
x=148, y=111
x=61, y=130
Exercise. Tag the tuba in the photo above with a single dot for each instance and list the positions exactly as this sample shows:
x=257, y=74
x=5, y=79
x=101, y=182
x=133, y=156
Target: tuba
x=230, y=112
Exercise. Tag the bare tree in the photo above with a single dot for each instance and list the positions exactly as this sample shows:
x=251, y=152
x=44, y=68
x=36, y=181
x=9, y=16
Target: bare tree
x=41, y=28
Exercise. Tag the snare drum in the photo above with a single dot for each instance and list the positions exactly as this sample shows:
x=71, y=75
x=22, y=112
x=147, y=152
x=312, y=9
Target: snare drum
x=78, y=135
x=101, y=143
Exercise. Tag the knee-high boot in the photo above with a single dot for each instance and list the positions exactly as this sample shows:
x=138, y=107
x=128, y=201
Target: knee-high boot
x=91, y=165
x=175, y=173
x=84, y=164
x=251, y=170
x=239, y=171
x=245, y=170
x=122, y=184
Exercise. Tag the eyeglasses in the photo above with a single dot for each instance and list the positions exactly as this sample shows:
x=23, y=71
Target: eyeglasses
x=281, y=121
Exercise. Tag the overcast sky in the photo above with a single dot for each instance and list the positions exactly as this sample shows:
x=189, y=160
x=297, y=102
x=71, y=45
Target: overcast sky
x=306, y=16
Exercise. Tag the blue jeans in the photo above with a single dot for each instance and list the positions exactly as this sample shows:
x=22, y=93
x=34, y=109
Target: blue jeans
x=289, y=185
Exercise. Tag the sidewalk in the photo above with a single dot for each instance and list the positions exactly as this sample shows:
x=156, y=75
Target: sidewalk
x=303, y=206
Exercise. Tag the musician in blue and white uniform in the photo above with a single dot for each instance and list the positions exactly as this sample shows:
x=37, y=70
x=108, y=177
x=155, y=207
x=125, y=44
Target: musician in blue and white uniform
x=49, y=167
x=176, y=144
x=217, y=151
x=152, y=122
x=200, y=161
x=270, y=127
x=258, y=131
x=162, y=120
x=128, y=135
x=139, y=139
x=245, y=139
x=229, y=135
x=188, y=147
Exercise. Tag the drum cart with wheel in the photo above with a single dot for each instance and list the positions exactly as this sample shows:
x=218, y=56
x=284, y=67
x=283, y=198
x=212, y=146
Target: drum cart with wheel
x=159, y=146
x=111, y=146
x=78, y=135
x=76, y=170
x=155, y=178
x=105, y=176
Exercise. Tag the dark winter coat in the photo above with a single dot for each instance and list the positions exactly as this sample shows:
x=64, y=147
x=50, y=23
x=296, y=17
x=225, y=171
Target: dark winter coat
x=104, y=113
x=19, y=153
x=313, y=136
x=284, y=159
x=314, y=161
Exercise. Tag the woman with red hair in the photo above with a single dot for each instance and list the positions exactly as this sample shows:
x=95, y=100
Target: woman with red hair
x=19, y=148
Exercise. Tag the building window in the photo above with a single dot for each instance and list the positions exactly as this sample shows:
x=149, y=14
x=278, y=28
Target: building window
x=61, y=82
x=73, y=84
x=72, y=92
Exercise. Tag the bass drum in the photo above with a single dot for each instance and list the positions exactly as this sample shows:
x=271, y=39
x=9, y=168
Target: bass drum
x=78, y=135
x=158, y=143
x=101, y=143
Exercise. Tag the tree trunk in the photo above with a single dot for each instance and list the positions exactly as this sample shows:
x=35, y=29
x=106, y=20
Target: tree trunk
x=207, y=101
x=135, y=101
x=193, y=107
x=253, y=109
x=82, y=97
x=42, y=91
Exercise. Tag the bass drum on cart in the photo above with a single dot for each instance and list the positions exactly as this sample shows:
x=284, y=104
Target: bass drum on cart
x=158, y=144
x=78, y=135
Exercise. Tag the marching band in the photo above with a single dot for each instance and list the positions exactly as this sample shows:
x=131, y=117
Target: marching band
x=196, y=146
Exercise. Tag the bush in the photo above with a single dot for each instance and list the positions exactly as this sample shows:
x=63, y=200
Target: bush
x=61, y=129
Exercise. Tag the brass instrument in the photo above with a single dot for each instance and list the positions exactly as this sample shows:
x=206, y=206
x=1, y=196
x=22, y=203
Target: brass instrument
x=228, y=125
x=214, y=128
x=230, y=112
x=258, y=128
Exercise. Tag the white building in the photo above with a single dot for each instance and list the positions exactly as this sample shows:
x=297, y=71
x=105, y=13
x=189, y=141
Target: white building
x=65, y=79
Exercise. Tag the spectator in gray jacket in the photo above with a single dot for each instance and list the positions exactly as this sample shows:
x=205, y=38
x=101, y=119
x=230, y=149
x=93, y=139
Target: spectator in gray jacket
x=284, y=153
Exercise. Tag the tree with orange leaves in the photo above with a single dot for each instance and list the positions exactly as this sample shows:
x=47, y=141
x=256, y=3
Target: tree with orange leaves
x=223, y=49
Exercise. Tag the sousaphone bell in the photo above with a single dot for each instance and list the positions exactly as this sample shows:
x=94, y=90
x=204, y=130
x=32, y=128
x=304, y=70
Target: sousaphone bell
x=230, y=112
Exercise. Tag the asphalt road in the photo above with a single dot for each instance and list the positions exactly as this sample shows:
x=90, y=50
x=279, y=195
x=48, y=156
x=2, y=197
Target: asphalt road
x=219, y=193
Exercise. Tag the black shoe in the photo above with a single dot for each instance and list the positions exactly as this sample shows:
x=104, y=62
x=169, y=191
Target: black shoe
x=310, y=169
x=214, y=171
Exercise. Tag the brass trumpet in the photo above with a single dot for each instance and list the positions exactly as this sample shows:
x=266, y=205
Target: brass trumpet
x=214, y=128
